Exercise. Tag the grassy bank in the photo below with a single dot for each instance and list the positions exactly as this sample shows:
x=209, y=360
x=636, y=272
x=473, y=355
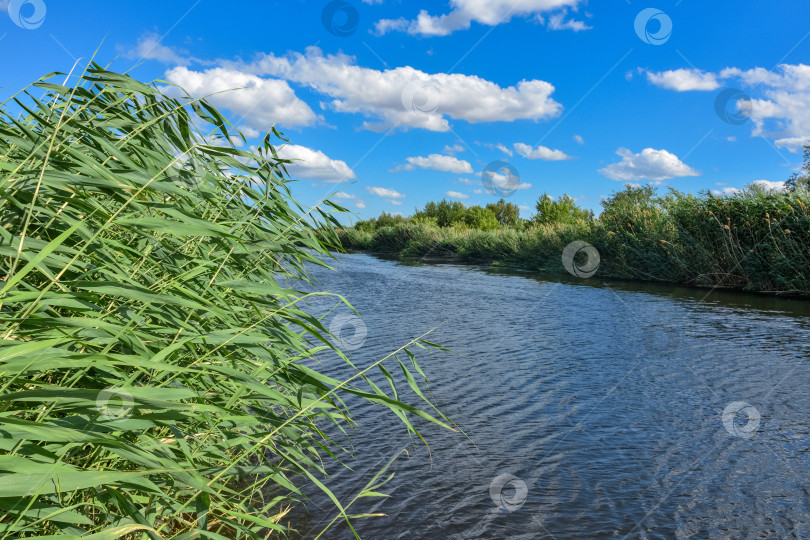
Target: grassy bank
x=755, y=240
x=158, y=378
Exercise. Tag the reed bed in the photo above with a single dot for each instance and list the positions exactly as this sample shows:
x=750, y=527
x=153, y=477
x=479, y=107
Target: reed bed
x=754, y=240
x=158, y=374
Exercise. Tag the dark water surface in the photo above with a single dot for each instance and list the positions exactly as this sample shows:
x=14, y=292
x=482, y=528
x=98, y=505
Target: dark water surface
x=593, y=410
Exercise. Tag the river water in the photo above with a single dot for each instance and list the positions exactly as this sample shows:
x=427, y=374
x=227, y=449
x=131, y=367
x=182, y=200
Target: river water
x=591, y=409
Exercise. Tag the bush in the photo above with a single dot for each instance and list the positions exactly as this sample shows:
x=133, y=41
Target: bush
x=481, y=218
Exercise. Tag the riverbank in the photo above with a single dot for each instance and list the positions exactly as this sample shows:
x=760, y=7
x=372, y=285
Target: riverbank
x=753, y=241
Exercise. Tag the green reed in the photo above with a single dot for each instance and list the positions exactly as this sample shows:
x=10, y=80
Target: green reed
x=158, y=377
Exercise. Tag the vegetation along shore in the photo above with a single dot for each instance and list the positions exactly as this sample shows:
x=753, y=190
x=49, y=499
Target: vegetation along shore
x=160, y=378
x=756, y=239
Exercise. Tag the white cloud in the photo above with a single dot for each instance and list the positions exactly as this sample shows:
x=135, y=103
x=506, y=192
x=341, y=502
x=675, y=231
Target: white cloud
x=358, y=202
x=437, y=162
x=396, y=203
x=684, y=80
x=314, y=164
x=578, y=139
x=149, y=47
x=541, y=152
x=497, y=146
x=478, y=191
x=767, y=185
x=385, y=192
x=469, y=182
x=558, y=22
x=464, y=12
x=770, y=185
x=249, y=132
x=726, y=191
x=456, y=195
x=504, y=149
x=454, y=149
x=793, y=144
x=779, y=97
x=649, y=164
x=779, y=100
x=408, y=97
x=260, y=102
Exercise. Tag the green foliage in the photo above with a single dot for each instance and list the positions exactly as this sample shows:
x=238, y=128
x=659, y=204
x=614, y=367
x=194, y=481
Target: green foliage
x=506, y=213
x=446, y=213
x=561, y=210
x=481, y=218
x=754, y=240
x=801, y=178
x=158, y=376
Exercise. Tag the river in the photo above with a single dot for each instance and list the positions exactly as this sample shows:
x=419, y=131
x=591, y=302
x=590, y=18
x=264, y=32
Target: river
x=591, y=409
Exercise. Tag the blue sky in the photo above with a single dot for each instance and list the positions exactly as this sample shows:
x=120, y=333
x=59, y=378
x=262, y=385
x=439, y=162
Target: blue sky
x=396, y=103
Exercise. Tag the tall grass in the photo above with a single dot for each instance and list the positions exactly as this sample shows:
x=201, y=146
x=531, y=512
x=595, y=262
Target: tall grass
x=157, y=375
x=754, y=240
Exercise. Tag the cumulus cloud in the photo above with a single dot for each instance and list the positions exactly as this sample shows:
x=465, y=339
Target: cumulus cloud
x=541, y=152
x=314, y=164
x=358, y=202
x=770, y=185
x=149, y=47
x=497, y=146
x=456, y=195
x=766, y=185
x=578, y=139
x=683, y=80
x=436, y=162
x=649, y=164
x=486, y=12
x=259, y=102
x=408, y=97
x=779, y=97
x=793, y=144
x=454, y=149
x=385, y=192
x=558, y=22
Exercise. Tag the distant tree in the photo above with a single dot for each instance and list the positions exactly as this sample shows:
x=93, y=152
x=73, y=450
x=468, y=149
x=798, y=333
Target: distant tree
x=431, y=210
x=801, y=178
x=562, y=210
x=481, y=218
x=388, y=220
x=368, y=225
x=450, y=213
x=506, y=213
